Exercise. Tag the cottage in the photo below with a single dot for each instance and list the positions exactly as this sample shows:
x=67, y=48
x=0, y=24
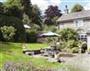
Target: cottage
x=80, y=21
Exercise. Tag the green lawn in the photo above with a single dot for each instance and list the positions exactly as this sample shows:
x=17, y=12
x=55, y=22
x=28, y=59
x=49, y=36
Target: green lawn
x=36, y=46
x=13, y=52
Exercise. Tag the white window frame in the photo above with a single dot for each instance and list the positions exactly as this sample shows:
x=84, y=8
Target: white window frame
x=82, y=37
x=79, y=22
x=61, y=26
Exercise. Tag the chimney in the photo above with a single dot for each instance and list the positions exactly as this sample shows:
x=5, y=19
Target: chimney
x=66, y=9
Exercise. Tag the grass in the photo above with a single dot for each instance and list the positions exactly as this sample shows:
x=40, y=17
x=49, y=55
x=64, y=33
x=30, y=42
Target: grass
x=36, y=46
x=13, y=52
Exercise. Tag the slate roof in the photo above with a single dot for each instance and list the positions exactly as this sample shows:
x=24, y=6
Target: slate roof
x=76, y=15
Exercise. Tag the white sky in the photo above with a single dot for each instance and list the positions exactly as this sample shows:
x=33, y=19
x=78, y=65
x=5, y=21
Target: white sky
x=43, y=4
x=87, y=6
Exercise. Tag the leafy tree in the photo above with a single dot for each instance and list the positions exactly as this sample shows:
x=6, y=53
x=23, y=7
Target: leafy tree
x=17, y=12
x=1, y=7
x=16, y=23
x=14, y=11
x=8, y=32
x=31, y=13
x=10, y=3
x=77, y=8
x=27, y=7
x=24, y=5
x=31, y=36
x=50, y=28
x=26, y=19
x=51, y=15
x=52, y=12
x=48, y=21
x=36, y=16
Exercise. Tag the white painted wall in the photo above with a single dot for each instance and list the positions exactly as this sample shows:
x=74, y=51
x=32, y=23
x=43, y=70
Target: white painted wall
x=85, y=24
x=88, y=41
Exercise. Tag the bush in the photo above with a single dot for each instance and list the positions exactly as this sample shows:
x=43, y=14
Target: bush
x=17, y=24
x=70, y=46
x=31, y=36
x=49, y=28
x=83, y=47
x=75, y=50
x=68, y=34
x=69, y=40
x=8, y=32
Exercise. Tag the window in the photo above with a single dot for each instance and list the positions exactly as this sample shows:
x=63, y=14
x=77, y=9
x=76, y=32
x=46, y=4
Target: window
x=61, y=26
x=82, y=37
x=78, y=23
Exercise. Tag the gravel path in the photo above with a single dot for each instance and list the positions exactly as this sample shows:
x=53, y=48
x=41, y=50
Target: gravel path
x=80, y=62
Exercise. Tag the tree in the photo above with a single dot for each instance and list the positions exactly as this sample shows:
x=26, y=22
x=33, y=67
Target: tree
x=51, y=15
x=10, y=3
x=16, y=23
x=1, y=7
x=24, y=5
x=8, y=32
x=19, y=12
x=14, y=11
x=48, y=21
x=52, y=12
x=77, y=8
x=36, y=16
x=27, y=7
x=31, y=13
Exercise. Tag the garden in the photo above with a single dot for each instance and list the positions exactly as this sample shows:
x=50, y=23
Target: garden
x=30, y=41
x=12, y=53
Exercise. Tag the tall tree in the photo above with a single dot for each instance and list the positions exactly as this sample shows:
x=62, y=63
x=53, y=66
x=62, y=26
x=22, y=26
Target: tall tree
x=51, y=14
x=14, y=11
x=31, y=14
x=24, y=5
x=27, y=7
x=77, y=8
x=10, y=3
x=1, y=7
x=36, y=15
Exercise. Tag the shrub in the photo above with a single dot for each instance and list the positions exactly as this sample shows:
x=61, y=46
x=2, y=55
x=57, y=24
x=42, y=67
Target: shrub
x=70, y=46
x=68, y=34
x=8, y=32
x=31, y=36
x=17, y=24
x=49, y=28
x=75, y=50
x=69, y=40
x=83, y=47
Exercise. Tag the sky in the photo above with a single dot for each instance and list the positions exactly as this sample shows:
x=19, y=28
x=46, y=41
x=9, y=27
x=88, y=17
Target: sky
x=43, y=4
